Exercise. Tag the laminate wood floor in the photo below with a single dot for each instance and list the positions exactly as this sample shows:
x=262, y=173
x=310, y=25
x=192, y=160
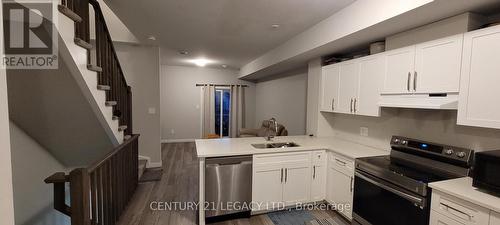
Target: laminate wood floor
x=179, y=183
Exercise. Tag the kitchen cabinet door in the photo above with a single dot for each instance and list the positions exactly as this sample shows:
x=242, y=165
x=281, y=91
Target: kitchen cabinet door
x=318, y=184
x=329, y=87
x=438, y=219
x=341, y=188
x=348, y=86
x=267, y=188
x=371, y=75
x=297, y=184
x=437, y=65
x=494, y=218
x=399, y=66
x=480, y=79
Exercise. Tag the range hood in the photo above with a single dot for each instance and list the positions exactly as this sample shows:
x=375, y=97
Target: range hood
x=420, y=101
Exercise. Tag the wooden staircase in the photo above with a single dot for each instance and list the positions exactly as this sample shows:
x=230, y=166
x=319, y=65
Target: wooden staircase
x=100, y=193
x=90, y=27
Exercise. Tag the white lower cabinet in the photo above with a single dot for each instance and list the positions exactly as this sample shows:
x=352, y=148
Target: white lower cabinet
x=340, y=183
x=448, y=210
x=318, y=177
x=280, y=180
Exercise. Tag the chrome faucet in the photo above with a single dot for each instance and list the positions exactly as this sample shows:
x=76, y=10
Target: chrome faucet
x=275, y=123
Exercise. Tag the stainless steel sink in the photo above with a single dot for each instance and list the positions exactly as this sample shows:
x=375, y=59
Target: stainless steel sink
x=275, y=145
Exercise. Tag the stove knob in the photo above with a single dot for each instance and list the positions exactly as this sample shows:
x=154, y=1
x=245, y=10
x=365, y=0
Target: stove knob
x=448, y=151
x=396, y=141
x=404, y=142
x=461, y=154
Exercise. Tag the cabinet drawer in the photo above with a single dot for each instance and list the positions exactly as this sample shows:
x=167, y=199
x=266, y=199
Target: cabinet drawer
x=341, y=163
x=459, y=210
x=269, y=159
x=319, y=158
x=438, y=219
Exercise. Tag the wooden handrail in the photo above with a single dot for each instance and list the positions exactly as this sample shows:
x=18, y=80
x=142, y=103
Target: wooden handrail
x=100, y=192
x=111, y=154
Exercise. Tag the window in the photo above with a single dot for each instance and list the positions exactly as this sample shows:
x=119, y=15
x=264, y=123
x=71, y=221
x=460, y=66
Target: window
x=222, y=107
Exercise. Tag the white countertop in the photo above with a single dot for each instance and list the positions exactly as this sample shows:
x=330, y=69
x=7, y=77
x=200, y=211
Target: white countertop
x=462, y=189
x=242, y=146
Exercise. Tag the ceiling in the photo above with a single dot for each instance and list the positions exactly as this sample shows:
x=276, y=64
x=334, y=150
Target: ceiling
x=230, y=32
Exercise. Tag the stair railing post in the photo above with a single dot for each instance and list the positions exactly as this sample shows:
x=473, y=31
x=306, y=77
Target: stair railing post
x=80, y=196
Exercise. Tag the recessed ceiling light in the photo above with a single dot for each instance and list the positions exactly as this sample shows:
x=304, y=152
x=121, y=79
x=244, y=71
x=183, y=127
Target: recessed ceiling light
x=200, y=62
x=275, y=26
x=152, y=38
x=183, y=52
x=224, y=66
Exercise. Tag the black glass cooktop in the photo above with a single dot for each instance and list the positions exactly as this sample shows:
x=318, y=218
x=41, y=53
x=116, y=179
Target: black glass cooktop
x=418, y=173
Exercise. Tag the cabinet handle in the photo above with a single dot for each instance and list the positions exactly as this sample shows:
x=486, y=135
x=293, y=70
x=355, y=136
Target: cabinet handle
x=456, y=212
x=352, y=184
x=351, y=105
x=340, y=162
x=314, y=172
x=355, y=102
x=408, y=82
x=286, y=174
x=333, y=104
x=415, y=81
x=281, y=175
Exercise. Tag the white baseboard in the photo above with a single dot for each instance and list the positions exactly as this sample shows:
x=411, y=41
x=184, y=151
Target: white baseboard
x=177, y=140
x=154, y=164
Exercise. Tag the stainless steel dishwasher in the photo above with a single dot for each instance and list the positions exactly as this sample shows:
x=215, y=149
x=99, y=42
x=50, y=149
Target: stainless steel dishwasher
x=228, y=185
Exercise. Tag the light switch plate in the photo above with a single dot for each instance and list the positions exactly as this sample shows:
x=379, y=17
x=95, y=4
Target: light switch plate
x=152, y=110
x=363, y=131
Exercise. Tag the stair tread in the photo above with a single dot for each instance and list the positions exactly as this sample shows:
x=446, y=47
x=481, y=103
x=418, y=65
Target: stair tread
x=142, y=166
x=111, y=103
x=122, y=127
x=94, y=68
x=69, y=13
x=83, y=43
x=103, y=87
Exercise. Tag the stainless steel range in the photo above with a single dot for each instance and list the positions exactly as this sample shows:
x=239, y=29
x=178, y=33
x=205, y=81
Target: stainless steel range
x=392, y=190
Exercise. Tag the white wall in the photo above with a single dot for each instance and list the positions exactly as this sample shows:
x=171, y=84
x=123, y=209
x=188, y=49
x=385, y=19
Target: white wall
x=313, y=80
x=180, y=98
x=432, y=125
x=31, y=164
x=117, y=29
x=141, y=67
x=6, y=196
x=283, y=97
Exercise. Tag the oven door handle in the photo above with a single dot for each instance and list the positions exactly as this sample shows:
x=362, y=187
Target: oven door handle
x=417, y=201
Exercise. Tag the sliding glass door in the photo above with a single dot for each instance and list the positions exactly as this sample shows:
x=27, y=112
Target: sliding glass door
x=222, y=110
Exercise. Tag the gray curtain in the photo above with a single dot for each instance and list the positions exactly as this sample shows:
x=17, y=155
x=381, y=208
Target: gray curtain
x=208, y=110
x=237, y=112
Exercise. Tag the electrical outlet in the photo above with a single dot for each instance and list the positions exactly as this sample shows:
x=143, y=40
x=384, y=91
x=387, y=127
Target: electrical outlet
x=363, y=131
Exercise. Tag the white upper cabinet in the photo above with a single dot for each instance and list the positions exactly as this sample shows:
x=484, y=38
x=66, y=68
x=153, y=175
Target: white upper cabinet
x=399, y=67
x=437, y=66
x=329, y=87
x=430, y=67
x=371, y=75
x=480, y=79
x=348, y=86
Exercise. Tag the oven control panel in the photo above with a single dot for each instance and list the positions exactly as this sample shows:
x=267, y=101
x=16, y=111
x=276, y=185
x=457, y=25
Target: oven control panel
x=423, y=147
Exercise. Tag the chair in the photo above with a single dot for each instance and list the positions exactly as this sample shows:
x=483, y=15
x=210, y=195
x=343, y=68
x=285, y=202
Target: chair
x=266, y=129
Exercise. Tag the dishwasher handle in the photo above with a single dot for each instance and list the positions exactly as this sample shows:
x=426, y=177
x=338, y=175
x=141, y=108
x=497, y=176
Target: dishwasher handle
x=232, y=160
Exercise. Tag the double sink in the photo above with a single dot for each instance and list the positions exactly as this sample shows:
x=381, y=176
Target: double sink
x=275, y=145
